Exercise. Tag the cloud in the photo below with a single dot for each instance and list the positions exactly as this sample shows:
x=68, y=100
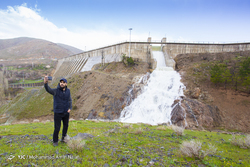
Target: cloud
x=22, y=21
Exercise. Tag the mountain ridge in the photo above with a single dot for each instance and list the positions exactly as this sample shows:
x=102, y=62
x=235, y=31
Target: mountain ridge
x=28, y=48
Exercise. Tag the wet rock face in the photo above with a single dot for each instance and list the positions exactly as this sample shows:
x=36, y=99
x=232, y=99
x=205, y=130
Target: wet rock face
x=191, y=113
x=113, y=105
x=178, y=115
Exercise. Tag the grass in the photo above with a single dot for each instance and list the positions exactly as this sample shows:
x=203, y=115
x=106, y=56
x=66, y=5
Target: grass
x=156, y=48
x=29, y=81
x=37, y=102
x=127, y=145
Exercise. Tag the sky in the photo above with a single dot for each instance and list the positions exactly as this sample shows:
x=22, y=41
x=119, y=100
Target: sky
x=89, y=24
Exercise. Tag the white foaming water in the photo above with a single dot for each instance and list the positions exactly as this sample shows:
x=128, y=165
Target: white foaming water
x=153, y=106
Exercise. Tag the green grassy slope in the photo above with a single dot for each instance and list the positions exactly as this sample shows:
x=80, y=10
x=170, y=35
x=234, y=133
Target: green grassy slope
x=113, y=144
x=37, y=102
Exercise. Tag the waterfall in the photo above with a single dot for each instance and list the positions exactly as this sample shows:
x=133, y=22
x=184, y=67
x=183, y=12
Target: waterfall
x=153, y=106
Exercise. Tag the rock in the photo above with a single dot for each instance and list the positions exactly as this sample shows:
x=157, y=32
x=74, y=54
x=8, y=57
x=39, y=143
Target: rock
x=10, y=141
x=178, y=115
x=112, y=130
x=194, y=114
x=187, y=92
x=3, y=154
x=222, y=140
x=106, y=165
x=36, y=120
x=71, y=119
x=82, y=136
x=196, y=93
x=123, y=159
x=151, y=163
x=175, y=102
x=23, y=122
x=46, y=121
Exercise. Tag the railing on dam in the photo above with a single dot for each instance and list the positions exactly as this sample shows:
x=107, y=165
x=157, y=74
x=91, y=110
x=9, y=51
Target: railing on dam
x=19, y=85
x=141, y=50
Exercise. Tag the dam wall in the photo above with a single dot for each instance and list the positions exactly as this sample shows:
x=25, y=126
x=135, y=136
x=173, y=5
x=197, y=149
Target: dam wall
x=140, y=50
x=173, y=49
x=113, y=53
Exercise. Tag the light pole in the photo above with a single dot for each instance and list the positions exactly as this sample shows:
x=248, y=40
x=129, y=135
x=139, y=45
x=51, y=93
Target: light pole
x=129, y=40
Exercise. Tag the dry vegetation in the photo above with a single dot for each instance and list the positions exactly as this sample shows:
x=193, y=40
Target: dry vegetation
x=138, y=130
x=76, y=144
x=194, y=149
x=178, y=130
x=243, y=142
x=128, y=126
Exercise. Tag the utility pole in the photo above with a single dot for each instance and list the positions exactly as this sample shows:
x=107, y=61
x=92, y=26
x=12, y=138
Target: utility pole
x=102, y=59
x=129, y=40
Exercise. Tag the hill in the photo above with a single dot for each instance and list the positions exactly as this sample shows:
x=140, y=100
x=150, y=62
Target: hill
x=100, y=93
x=230, y=96
x=70, y=48
x=31, y=48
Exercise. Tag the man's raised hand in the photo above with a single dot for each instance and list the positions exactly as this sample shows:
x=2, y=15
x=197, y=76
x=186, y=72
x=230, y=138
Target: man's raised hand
x=46, y=80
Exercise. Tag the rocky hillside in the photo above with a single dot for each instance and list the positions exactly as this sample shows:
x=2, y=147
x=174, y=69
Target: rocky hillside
x=101, y=93
x=223, y=104
x=31, y=48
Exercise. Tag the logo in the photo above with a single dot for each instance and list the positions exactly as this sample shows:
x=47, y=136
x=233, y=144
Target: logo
x=21, y=156
x=11, y=157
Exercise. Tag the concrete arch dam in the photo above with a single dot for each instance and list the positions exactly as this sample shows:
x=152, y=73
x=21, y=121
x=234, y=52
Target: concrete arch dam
x=140, y=50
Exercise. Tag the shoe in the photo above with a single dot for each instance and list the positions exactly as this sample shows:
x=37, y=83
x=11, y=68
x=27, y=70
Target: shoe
x=55, y=144
x=62, y=141
x=65, y=139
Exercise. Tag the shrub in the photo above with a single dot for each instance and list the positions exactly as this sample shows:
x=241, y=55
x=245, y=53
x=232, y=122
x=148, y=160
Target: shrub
x=161, y=128
x=194, y=149
x=127, y=126
x=74, y=108
x=178, y=130
x=241, y=142
x=124, y=59
x=138, y=131
x=130, y=61
x=76, y=144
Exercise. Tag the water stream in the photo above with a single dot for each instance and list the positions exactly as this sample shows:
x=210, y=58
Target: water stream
x=153, y=106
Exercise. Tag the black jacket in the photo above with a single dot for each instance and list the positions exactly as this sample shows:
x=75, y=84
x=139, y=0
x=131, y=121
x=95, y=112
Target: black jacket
x=62, y=99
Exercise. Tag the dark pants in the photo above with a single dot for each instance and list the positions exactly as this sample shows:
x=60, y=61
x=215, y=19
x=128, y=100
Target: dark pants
x=58, y=117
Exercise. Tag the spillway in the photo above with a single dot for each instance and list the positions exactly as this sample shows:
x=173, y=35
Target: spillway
x=153, y=106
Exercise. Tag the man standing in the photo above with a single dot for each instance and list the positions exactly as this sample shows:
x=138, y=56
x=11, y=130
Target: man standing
x=62, y=107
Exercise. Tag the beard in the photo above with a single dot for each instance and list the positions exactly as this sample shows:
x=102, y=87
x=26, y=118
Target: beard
x=62, y=86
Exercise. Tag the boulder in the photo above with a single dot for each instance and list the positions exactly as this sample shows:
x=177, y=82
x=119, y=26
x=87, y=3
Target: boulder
x=36, y=120
x=178, y=114
x=82, y=136
x=196, y=93
x=191, y=113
